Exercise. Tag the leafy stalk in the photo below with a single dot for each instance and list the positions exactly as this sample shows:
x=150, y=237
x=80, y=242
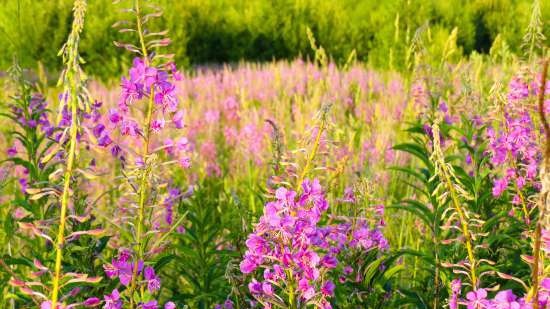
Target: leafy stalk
x=316, y=143
x=72, y=76
x=444, y=171
x=145, y=153
x=544, y=193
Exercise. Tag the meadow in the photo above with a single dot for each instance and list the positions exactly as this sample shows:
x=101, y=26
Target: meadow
x=414, y=176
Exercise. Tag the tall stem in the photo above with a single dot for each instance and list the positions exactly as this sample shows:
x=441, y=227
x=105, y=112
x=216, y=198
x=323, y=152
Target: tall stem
x=465, y=229
x=66, y=189
x=72, y=78
x=445, y=173
x=543, y=197
x=143, y=186
x=313, y=152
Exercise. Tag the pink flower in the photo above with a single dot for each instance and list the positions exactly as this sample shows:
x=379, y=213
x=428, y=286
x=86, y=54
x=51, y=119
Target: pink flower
x=91, y=302
x=153, y=282
x=113, y=300
x=158, y=124
x=306, y=289
x=328, y=288
x=169, y=305
x=477, y=299
x=177, y=119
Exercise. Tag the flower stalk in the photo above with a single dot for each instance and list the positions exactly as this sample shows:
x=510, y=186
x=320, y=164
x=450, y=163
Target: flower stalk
x=72, y=78
x=316, y=144
x=543, y=194
x=443, y=170
x=145, y=153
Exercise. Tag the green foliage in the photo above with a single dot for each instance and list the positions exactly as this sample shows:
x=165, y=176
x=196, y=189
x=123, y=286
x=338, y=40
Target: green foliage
x=213, y=31
x=213, y=236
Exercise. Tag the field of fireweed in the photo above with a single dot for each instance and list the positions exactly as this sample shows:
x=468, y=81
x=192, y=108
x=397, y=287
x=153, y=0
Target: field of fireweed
x=290, y=184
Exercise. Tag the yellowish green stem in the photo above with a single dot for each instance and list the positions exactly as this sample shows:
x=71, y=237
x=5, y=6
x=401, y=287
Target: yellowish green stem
x=313, y=153
x=465, y=229
x=543, y=195
x=138, y=248
x=73, y=104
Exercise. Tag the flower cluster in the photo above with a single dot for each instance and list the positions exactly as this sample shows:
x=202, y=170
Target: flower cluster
x=124, y=268
x=283, y=245
x=295, y=252
x=514, y=144
x=478, y=299
x=155, y=84
x=34, y=115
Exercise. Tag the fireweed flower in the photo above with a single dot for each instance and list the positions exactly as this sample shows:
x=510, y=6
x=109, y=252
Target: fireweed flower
x=123, y=268
x=113, y=301
x=152, y=304
x=142, y=82
x=456, y=286
x=91, y=302
x=514, y=143
x=294, y=250
x=477, y=299
x=153, y=282
x=505, y=299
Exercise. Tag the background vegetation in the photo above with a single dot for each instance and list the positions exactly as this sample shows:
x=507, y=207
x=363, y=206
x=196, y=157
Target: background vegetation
x=216, y=31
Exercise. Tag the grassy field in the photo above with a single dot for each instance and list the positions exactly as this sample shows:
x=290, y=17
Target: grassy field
x=410, y=174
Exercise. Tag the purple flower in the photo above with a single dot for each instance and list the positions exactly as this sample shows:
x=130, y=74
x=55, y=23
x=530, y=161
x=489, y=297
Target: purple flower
x=152, y=304
x=12, y=151
x=122, y=268
x=169, y=305
x=131, y=92
x=255, y=287
x=141, y=74
x=113, y=300
x=248, y=265
x=177, y=119
x=104, y=140
x=166, y=97
x=158, y=124
x=114, y=116
x=129, y=127
x=267, y=288
x=228, y=304
x=499, y=186
x=456, y=285
x=153, y=282
x=91, y=302
x=46, y=305
x=328, y=288
x=306, y=289
x=329, y=261
x=289, y=239
x=477, y=299
x=505, y=300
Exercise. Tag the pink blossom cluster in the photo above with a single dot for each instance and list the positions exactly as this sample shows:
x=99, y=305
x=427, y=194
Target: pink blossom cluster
x=514, y=143
x=506, y=299
x=128, y=120
x=295, y=251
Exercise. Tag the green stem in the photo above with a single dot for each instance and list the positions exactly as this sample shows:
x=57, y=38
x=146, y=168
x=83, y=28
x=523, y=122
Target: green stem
x=313, y=153
x=292, y=298
x=138, y=248
x=543, y=195
x=465, y=228
x=72, y=103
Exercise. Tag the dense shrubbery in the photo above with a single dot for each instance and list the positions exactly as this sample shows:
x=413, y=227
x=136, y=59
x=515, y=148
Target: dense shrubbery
x=217, y=31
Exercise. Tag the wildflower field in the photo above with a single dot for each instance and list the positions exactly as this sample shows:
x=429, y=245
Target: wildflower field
x=303, y=182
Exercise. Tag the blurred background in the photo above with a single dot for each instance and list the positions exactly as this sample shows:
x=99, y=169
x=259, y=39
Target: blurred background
x=222, y=31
